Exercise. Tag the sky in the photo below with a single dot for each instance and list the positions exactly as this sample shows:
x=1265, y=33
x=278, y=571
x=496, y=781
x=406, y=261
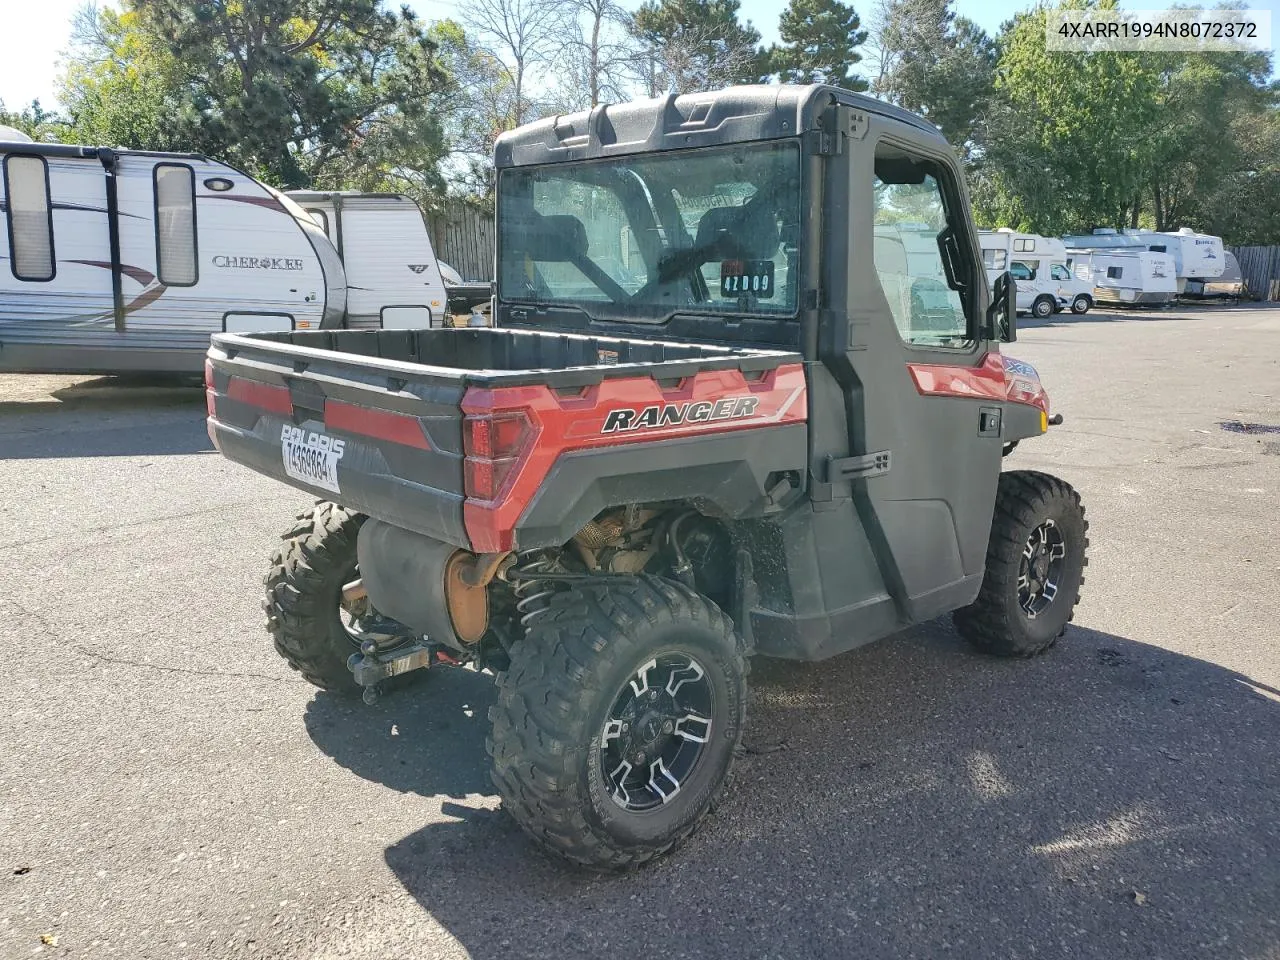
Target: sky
x=36, y=33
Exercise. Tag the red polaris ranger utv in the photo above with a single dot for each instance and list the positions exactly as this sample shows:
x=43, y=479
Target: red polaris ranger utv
x=731, y=405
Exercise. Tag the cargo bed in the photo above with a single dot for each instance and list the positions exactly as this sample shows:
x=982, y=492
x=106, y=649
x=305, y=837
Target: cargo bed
x=375, y=419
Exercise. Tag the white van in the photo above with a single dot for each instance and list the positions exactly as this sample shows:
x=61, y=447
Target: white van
x=1039, y=267
x=1126, y=277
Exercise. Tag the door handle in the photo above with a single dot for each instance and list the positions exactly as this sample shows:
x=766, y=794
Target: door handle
x=989, y=421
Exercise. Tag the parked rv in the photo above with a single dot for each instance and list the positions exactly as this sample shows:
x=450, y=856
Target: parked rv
x=1228, y=286
x=1196, y=256
x=121, y=260
x=393, y=277
x=1038, y=264
x=1126, y=277
x=115, y=261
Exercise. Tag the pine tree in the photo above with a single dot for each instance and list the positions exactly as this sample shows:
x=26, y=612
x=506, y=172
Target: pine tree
x=820, y=43
x=697, y=45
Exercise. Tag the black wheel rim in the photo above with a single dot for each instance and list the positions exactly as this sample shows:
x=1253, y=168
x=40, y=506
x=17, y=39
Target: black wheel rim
x=1040, y=571
x=656, y=732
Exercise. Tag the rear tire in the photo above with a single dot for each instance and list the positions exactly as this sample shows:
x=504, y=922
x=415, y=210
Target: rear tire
x=304, y=596
x=584, y=668
x=1081, y=304
x=1029, y=593
x=1043, y=308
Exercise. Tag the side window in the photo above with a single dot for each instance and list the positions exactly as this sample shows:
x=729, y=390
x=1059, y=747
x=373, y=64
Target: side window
x=175, y=186
x=1060, y=272
x=994, y=259
x=913, y=231
x=1115, y=273
x=1022, y=270
x=1024, y=246
x=321, y=218
x=26, y=185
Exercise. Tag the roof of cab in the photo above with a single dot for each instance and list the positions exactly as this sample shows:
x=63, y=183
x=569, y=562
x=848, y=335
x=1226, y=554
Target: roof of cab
x=731, y=115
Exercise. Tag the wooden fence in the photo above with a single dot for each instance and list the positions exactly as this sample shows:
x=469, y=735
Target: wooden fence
x=1260, y=267
x=462, y=236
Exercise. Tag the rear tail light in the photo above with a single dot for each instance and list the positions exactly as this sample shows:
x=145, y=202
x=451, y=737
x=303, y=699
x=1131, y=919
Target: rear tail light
x=495, y=444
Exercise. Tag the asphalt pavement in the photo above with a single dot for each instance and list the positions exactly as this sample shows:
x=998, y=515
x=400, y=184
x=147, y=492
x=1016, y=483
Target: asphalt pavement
x=169, y=789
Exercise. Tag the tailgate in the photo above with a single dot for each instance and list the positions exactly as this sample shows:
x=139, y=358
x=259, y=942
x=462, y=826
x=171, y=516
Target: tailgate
x=379, y=436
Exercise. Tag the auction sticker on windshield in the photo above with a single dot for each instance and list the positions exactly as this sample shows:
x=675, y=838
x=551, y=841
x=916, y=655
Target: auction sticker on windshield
x=311, y=457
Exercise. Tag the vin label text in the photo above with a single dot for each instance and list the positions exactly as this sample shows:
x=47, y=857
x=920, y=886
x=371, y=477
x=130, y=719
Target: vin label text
x=1192, y=31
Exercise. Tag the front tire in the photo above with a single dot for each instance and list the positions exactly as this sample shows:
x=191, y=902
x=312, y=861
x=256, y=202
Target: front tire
x=1081, y=304
x=615, y=728
x=1035, y=567
x=1043, y=308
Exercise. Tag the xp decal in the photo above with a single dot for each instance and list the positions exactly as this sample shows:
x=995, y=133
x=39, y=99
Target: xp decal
x=671, y=414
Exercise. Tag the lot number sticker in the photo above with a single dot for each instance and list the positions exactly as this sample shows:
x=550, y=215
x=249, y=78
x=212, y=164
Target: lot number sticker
x=311, y=457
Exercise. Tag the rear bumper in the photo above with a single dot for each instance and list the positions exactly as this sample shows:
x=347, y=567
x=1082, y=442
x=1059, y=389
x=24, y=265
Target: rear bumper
x=366, y=482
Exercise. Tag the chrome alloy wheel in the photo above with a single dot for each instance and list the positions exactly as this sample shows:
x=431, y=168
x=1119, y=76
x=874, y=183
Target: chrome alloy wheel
x=656, y=732
x=1040, y=571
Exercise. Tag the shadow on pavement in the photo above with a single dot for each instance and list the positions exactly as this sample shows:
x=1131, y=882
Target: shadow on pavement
x=440, y=722
x=1111, y=799
x=108, y=417
x=1130, y=315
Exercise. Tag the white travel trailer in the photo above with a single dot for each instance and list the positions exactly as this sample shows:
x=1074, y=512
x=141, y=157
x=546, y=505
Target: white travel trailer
x=1196, y=256
x=393, y=279
x=119, y=260
x=1039, y=268
x=1229, y=285
x=115, y=261
x=1126, y=277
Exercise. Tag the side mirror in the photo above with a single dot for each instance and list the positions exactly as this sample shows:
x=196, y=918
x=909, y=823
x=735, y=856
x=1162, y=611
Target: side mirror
x=1002, y=313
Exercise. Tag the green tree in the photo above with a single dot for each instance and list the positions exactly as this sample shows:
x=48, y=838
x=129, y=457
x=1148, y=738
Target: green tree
x=1208, y=105
x=303, y=92
x=820, y=43
x=121, y=86
x=39, y=124
x=933, y=63
x=1069, y=139
x=1244, y=205
x=695, y=45
x=477, y=107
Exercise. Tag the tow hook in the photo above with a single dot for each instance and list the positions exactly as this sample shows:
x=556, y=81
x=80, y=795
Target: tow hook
x=370, y=668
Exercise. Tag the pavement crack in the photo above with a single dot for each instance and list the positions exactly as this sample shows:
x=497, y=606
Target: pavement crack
x=142, y=521
x=164, y=668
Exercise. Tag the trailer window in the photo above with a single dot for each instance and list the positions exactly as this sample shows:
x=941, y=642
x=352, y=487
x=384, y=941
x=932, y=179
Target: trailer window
x=175, y=189
x=1025, y=245
x=30, y=219
x=320, y=217
x=994, y=259
x=1115, y=273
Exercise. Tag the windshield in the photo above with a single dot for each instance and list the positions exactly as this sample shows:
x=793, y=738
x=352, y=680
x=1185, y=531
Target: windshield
x=641, y=238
